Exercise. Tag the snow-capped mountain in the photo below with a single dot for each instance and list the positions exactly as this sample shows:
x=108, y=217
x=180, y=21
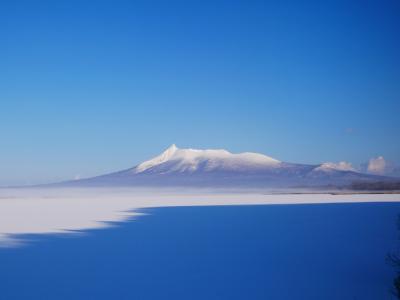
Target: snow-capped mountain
x=220, y=168
x=178, y=160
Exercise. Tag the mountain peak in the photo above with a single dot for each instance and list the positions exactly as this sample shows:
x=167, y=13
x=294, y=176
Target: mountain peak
x=163, y=157
x=173, y=147
x=169, y=151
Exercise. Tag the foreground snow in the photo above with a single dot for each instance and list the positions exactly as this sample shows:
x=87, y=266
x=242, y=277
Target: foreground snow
x=44, y=211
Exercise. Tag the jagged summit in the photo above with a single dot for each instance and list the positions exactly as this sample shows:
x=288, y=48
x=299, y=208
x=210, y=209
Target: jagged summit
x=163, y=157
x=191, y=160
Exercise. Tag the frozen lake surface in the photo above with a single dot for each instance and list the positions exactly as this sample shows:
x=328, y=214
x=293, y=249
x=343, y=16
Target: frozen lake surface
x=187, y=251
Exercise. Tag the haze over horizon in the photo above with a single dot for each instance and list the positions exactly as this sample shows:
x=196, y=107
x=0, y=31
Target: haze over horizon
x=90, y=88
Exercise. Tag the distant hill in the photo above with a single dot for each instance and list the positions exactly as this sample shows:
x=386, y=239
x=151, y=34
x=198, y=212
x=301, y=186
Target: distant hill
x=219, y=168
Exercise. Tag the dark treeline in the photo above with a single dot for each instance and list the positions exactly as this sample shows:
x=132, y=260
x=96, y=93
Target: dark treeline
x=376, y=186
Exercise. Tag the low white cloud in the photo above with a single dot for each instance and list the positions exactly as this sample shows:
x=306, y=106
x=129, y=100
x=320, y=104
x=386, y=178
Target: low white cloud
x=377, y=165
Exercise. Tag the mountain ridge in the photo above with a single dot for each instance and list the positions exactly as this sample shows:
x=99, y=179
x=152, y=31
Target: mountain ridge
x=177, y=167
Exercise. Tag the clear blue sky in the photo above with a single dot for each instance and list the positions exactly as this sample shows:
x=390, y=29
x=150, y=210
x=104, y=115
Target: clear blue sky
x=88, y=87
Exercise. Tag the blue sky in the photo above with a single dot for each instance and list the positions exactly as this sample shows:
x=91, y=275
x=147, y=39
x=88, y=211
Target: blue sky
x=88, y=87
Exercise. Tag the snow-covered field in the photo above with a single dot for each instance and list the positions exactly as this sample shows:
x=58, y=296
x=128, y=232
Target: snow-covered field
x=46, y=211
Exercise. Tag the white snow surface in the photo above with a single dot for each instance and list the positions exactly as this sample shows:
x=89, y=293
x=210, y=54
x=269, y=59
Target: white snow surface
x=69, y=211
x=190, y=160
x=340, y=166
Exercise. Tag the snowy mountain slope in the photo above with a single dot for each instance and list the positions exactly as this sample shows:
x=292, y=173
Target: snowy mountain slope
x=220, y=168
x=191, y=160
